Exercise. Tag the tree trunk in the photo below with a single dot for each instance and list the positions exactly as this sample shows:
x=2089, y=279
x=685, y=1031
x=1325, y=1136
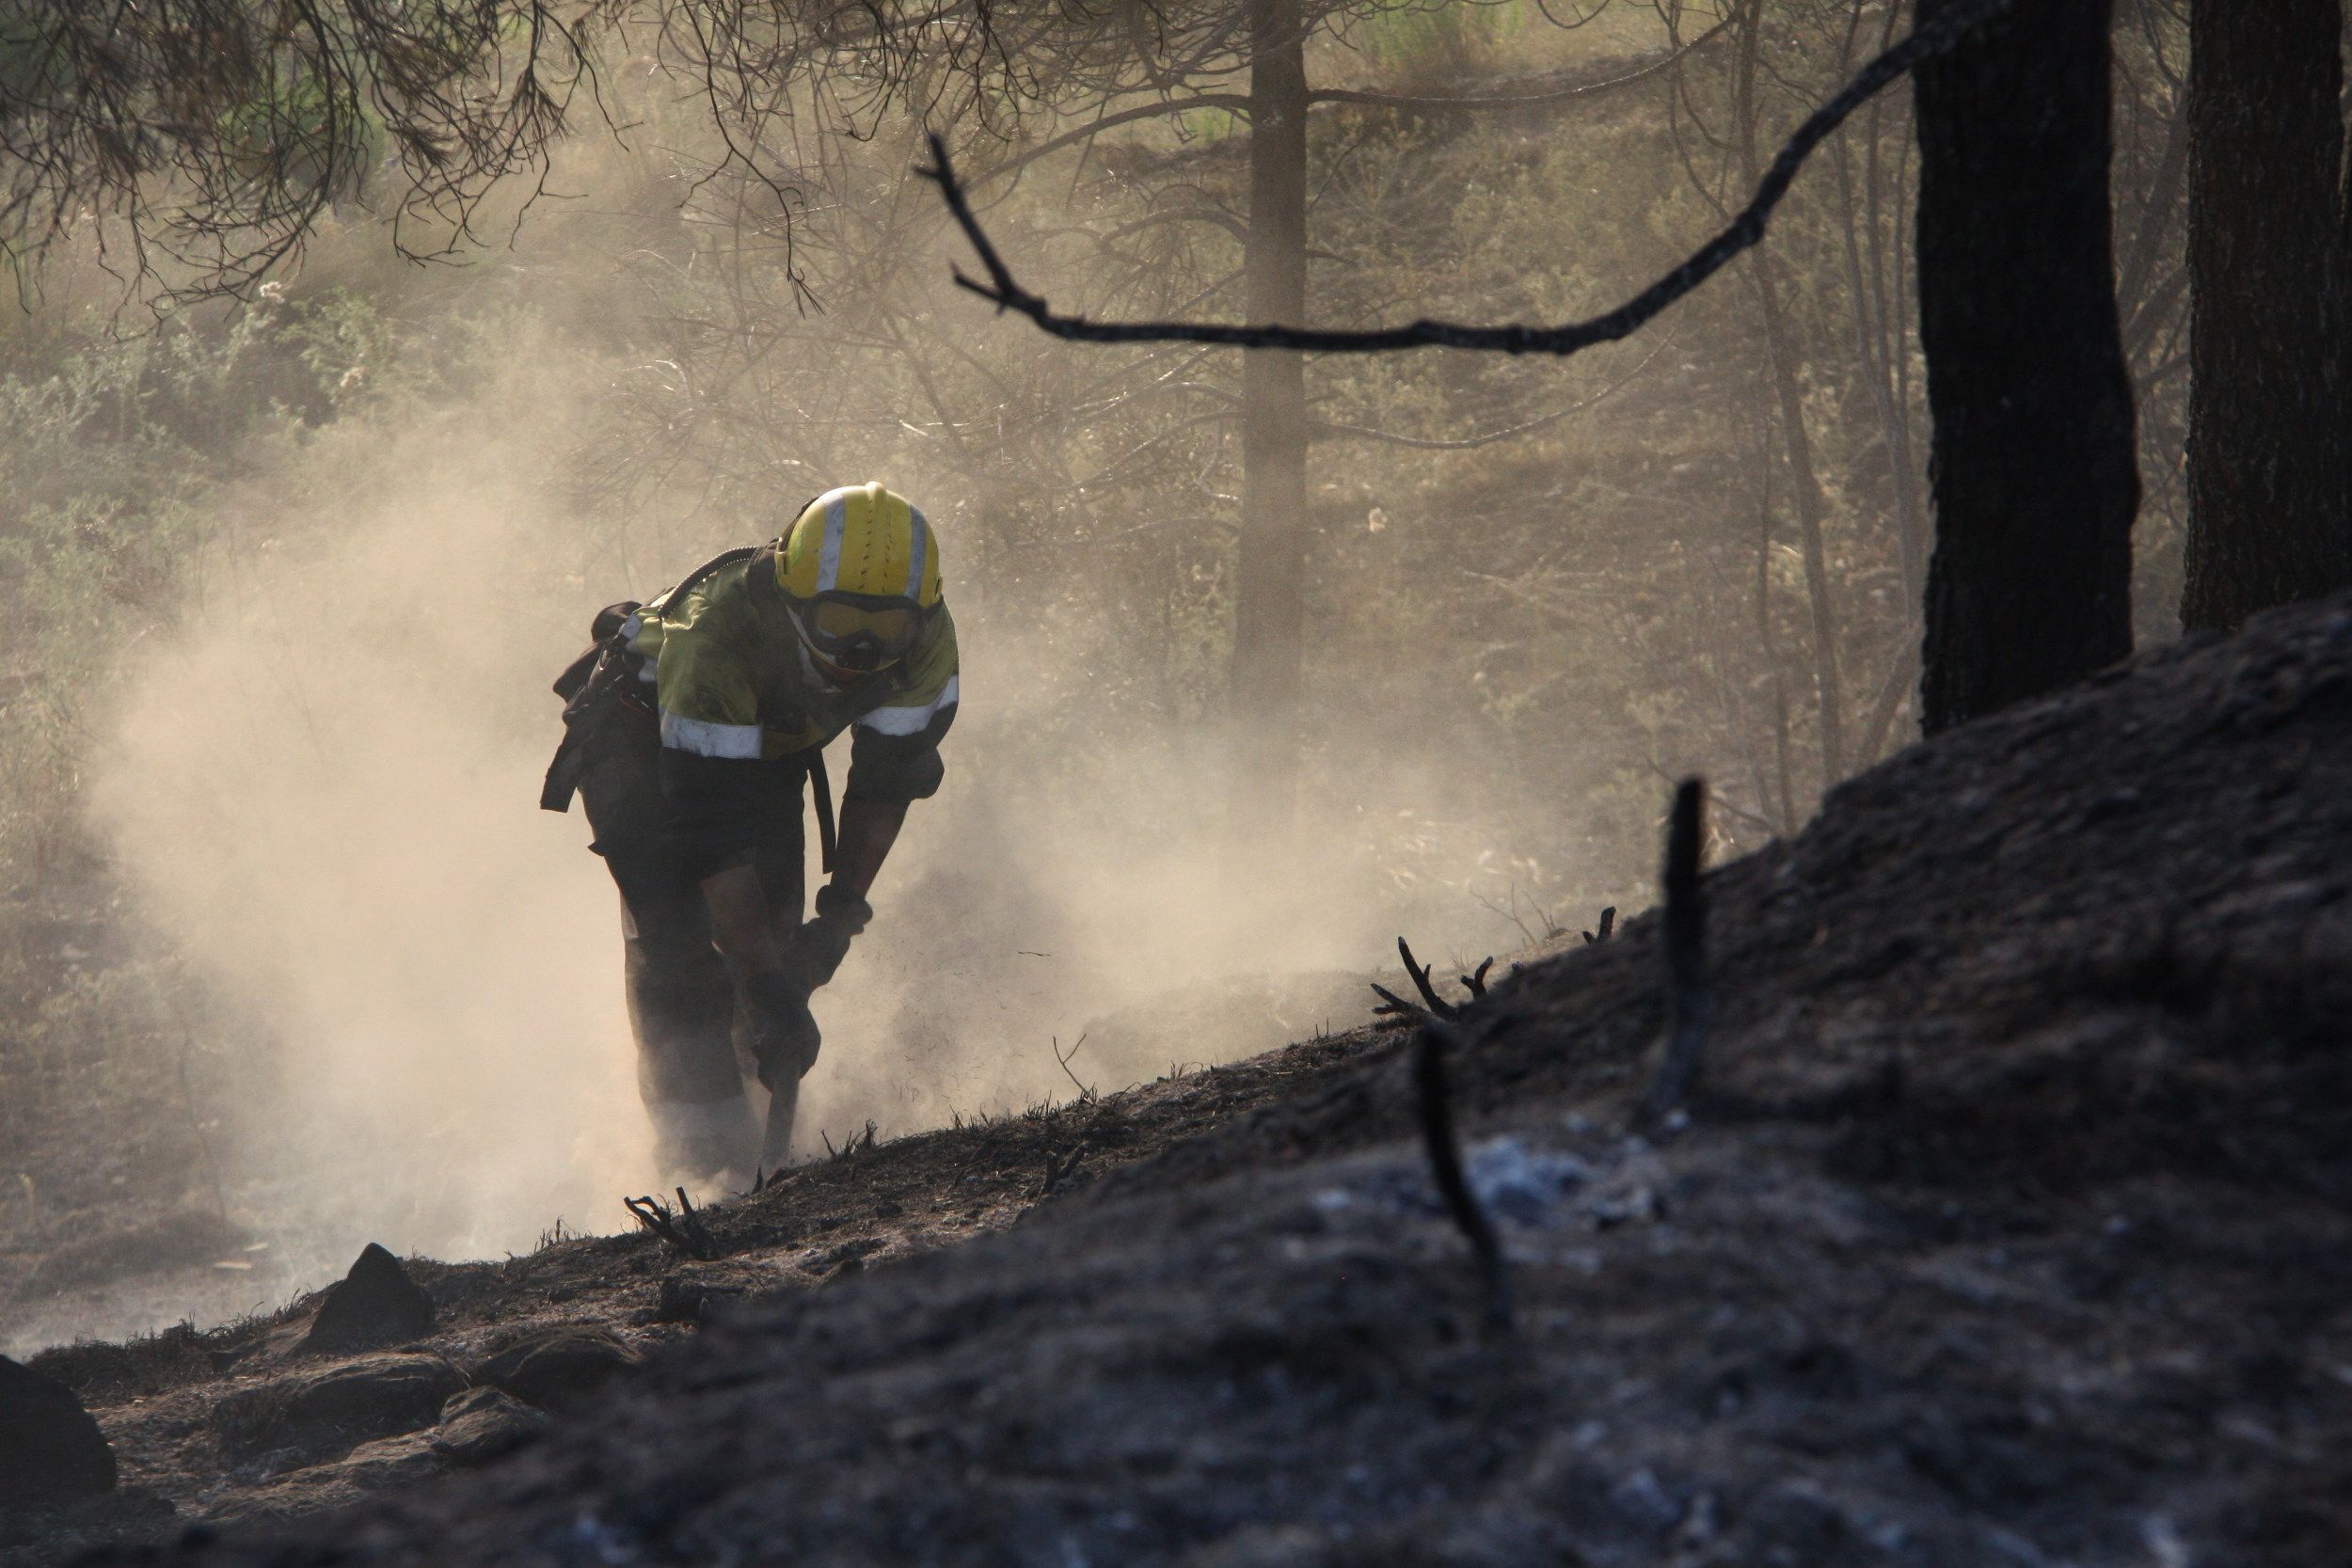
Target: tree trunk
x=1269, y=608
x=1805, y=480
x=2268, y=494
x=2032, y=471
x=1828, y=687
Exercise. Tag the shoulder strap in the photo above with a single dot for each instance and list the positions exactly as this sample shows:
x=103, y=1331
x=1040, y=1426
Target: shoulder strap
x=820, y=792
x=693, y=579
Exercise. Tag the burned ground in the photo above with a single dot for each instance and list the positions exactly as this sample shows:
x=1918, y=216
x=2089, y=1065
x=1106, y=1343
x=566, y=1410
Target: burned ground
x=2013, y=1225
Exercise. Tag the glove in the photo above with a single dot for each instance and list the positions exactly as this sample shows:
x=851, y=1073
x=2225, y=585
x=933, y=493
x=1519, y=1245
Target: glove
x=824, y=942
x=783, y=1034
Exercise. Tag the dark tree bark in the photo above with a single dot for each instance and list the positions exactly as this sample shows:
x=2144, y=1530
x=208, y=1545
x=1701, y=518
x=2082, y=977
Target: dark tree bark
x=2032, y=473
x=2268, y=497
x=1269, y=605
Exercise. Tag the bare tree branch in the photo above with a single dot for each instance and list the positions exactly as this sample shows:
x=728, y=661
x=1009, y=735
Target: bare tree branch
x=1232, y=102
x=1516, y=99
x=1744, y=230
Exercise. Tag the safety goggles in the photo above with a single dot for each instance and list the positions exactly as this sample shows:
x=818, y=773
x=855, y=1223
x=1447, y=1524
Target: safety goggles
x=855, y=634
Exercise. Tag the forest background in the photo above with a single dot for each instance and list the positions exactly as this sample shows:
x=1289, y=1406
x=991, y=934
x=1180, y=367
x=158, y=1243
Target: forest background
x=287, y=954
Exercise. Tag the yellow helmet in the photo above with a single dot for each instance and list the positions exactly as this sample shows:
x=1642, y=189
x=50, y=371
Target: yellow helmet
x=861, y=572
x=863, y=542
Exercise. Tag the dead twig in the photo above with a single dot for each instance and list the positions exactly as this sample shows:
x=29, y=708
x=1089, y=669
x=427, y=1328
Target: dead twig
x=1608, y=924
x=1086, y=1091
x=1435, y=1104
x=856, y=1143
x=1511, y=912
x=1059, y=1170
x=681, y=1228
x=1438, y=1006
x=1686, y=958
x=1431, y=1004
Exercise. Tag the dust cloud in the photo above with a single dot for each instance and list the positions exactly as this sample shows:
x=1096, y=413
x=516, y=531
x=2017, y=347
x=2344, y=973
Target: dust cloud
x=323, y=790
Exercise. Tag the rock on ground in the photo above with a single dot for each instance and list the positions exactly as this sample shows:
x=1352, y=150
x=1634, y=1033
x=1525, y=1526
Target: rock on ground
x=481, y=1424
x=319, y=1413
x=375, y=1305
x=559, y=1369
x=50, y=1450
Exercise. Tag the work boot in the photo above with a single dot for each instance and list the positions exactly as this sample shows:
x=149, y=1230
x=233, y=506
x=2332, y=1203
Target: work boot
x=711, y=1144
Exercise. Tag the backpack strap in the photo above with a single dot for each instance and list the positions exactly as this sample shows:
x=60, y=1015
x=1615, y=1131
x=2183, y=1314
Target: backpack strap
x=820, y=793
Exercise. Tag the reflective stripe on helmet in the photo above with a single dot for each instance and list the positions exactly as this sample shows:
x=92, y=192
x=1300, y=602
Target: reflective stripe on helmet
x=911, y=720
x=918, y=551
x=707, y=740
x=861, y=540
x=829, y=560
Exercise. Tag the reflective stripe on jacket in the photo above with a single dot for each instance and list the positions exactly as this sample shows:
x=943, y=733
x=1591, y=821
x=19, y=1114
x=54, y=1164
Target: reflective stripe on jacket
x=733, y=683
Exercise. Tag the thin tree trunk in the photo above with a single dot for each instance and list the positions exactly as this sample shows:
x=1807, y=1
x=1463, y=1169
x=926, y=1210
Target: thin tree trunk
x=2132, y=288
x=2033, y=476
x=2266, y=439
x=1871, y=347
x=1805, y=480
x=1762, y=489
x=1269, y=609
x=1829, y=685
x=1893, y=307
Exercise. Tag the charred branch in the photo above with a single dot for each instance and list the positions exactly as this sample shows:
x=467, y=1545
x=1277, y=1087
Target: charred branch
x=1431, y=1004
x=856, y=1143
x=681, y=1229
x=1685, y=941
x=1438, y=1006
x=1060, y=1167
x=1434, y=1103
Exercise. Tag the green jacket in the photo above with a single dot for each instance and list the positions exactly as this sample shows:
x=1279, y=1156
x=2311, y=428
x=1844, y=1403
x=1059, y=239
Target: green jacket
x=734, y=687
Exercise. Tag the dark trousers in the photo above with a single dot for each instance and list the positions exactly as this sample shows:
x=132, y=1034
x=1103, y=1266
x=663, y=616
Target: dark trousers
x=693, y=1055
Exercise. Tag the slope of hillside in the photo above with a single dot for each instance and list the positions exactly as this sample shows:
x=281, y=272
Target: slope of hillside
x=2013, y=1226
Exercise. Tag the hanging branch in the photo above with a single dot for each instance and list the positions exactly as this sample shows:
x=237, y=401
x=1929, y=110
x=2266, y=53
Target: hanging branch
x=199, y=144
x=1937, y=37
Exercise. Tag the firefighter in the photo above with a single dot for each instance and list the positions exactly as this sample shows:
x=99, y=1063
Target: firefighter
x=691, y=727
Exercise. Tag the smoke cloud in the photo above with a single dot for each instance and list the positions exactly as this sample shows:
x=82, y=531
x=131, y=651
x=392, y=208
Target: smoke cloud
x=323, y=790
